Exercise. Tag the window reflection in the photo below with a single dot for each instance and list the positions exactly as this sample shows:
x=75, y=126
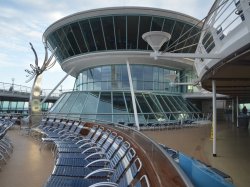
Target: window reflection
x=115, y=77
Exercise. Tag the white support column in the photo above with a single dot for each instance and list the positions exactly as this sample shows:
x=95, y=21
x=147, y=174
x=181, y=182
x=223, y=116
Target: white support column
x=237, y=110
x=214, y=117
x=133, y=96
x=232, y=110
x=56, y=86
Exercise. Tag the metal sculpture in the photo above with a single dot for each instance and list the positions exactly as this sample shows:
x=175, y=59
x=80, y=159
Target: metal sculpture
x=36, y=73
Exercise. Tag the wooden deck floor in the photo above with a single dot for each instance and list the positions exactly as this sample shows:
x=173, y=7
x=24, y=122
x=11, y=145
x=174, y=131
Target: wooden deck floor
x=30, y=167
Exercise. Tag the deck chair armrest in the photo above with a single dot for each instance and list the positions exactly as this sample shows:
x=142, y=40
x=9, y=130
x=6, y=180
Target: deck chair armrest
x=97, y=161
x=93, y=154
x=90, y=148
x=87, y=143
x=107, y=184
x=108, y=170
x=82, y=141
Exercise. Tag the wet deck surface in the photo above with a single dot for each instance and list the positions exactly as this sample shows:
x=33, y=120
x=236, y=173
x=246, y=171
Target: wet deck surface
x=30, y=167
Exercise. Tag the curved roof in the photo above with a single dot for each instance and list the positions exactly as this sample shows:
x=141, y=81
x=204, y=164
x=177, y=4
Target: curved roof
x=119, y=29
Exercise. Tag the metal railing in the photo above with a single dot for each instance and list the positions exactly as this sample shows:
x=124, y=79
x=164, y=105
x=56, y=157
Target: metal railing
x=20, y=89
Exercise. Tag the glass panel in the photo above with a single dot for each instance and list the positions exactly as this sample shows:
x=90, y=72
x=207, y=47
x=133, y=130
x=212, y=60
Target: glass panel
x=87, y=34
x=163, y=104
x=69, y=34
x=157, y=24
x=172, y=100
x=143, y=104
x=120, y=31
x=108, y=28
x=105, y=106
x=167, y=27
x=79, y=38
x=60, y=45
x=145, y=23
x=20, y=105
x=125, y=82
x=69, y=103
x=65, y=42
x=175, y=34
x=13, y=105
x=58, y=105
x=97, y=32
x=79, y=103
x=91, y=104
x=152, y=103
x=169, y=104
x=132, y=31
x=52, y=42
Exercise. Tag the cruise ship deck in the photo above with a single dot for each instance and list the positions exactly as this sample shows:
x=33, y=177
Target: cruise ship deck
x=233, y=153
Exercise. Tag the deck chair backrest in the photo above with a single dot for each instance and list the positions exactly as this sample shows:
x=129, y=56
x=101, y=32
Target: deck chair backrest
x=143, y=182
x=73, y=128
x=61, y=125
x=103, y=138
x=97, y=134
x=49, y=122
x=123, y=165
x=119, y=154
x=131, y=173
x=67, y=126
x=114, y=147
x=109, y=141
x=43, y=122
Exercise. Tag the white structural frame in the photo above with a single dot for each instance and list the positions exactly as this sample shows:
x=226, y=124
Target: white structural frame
x=214, y=122
x=132, y=95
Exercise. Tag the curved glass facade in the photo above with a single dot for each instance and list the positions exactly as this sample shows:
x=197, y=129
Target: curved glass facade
x=120, y=32
x=115, y=77
x=116, y=106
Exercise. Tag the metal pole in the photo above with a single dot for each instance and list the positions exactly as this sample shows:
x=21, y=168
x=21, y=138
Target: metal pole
x=133, y=96
x=56, y=86
x=214, y=117
x=237, y=110
x=232, y=110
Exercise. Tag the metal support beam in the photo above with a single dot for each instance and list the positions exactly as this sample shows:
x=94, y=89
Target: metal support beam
x=133, y=96
x=56, y=86
x=159, y=55
x=237, y=110
x=214, y=117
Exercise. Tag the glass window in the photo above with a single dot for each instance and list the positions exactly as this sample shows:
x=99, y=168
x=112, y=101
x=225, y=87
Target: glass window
x=79, y=103
x=60, y=45
x=53, y=43
x=169, y=104
x=87, y=34
x=132, y=31
x=143, y=104
x=20, y=105
x=97, y=32
x=120, y=31
x=145, y=23
x=163, y=104
x=108, y=28
x=69, y=103
x=157, y=24
x=125, y=82
x=5, y=105
x=90, y=107
x=79, y=37
x=70, y=37
x=167, y=27
x=153, y=104
x=59, y=103
x=65, y=42
x=175, y=35
x=104, y=105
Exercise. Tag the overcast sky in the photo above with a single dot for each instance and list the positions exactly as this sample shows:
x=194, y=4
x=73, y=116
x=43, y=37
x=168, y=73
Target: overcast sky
x=24, y=21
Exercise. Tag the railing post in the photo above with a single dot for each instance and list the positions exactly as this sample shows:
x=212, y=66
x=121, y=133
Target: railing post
x=214, y=117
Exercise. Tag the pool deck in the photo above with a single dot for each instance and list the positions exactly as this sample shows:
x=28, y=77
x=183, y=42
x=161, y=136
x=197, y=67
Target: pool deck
x=30, y=167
